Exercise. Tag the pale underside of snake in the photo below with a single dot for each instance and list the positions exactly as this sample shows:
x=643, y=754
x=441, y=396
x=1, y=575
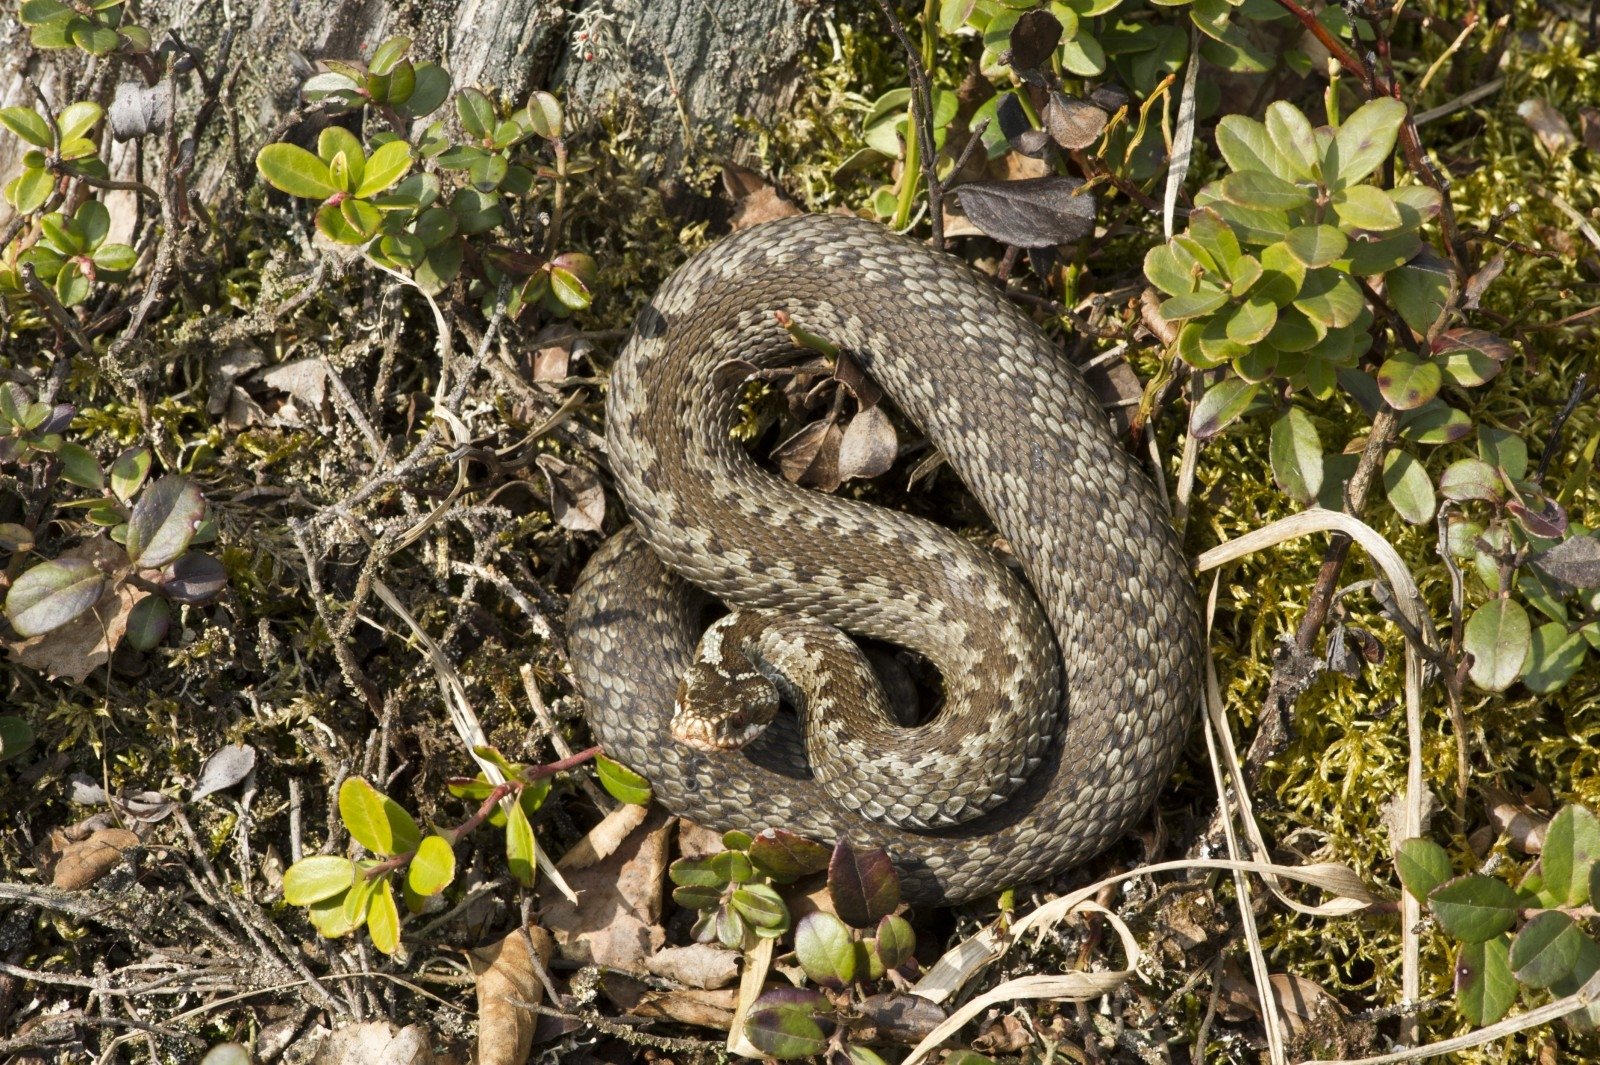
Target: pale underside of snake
x=1100, y=663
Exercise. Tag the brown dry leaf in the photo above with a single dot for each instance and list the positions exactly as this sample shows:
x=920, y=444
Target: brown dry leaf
x=1073, y=123
x=376, y=1043
x=576, y=497
x=604, y=839
x=81, y=864
x=306, y=382
x=697, y=841
x=508, y=985
x=552, y=355
x=86, y=643
x=1548, y=125
x=703, y=1009
x=755, y=199
x=811, y=456
x=617, y=920
x=868, y=447
x=1014, y=166
x=1302, y=1002
x=1524, y=827
x=1005, y=1035
x=1589, y=127
x=698, y=965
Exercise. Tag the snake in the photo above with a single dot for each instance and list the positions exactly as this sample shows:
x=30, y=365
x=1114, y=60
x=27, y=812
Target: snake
x=1087, y=663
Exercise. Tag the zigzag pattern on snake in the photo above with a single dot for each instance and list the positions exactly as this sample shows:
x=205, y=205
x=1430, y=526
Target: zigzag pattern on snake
x=1111, y=599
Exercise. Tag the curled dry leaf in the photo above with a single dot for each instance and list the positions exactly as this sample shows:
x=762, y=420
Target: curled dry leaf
x=82, y=863
x=576, y=497
x=370, y=1042
x=1030, y=214
x=699, y=965
x=703, y=1009
x=616, y=922
x=508, y=987
x=1524, y=828
x=868, y=447
x=1072, y=123
x=225, y=768
x=811, y=456
x=755, y=199
x=1548, y=125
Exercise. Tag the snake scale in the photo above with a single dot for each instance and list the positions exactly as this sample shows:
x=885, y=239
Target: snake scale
x=1112, y=605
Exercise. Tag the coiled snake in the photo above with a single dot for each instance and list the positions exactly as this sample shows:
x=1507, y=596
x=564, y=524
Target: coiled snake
x=1030, y=442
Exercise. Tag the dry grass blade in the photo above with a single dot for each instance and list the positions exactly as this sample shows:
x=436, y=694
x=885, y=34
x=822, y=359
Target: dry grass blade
x=757, y=963
x=1182, y=138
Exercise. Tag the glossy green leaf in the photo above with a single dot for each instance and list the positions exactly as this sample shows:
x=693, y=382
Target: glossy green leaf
x=1316, y=245
x=291, y=169
x=1555, y=654
x=1546, y=949
x=825, y=950
x=387, y=165
x=433, y=868
x=785, y=857
x=16, y=737
x=1331, y=298
x=53, y=594
x=894, y=942
x=1474, y=908
x=521, y=850
x=376, y=821
x=383, y=918
x=1203, y=301
x=1220, y=406
x=1423, y=865
x=623, y=783
x=1364, y=141
x=79, y=467
x=1371, y=257
x=1408, y=487
x=1291, y=134
x=476, y=112
x=544, y=115
x=1571, y=850
x=1498, y=637
x=1485, y=988
x=762, y=908
x=785, y=1024
x=318, y=877
x=1245, y=144
x=430, y=88
x=1366, y=207
x=77, y=119
x=164, y=521
x=1408, y=382
x=148, y=623
x=28, y=124
x=29, y=190
x=1169, y=271
x=1256, y=188
x=1420, y=290
x=1250, y=321
x=1296, y=453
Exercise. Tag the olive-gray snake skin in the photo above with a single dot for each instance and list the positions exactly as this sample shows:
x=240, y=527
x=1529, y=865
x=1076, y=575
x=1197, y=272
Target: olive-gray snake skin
x=1111, y=622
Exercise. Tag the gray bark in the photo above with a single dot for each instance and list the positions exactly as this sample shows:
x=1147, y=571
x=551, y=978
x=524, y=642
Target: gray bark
x=679, y=71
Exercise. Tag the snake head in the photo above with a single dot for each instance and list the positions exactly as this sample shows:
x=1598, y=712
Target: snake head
x=723, y=702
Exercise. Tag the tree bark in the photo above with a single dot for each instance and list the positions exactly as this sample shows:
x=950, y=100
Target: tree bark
x=678, y=73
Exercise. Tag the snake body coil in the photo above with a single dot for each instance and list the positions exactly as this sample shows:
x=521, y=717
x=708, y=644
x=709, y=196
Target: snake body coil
x=1030, y=442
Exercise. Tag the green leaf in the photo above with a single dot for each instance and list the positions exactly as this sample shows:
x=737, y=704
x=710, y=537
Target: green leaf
x=1256, y=188
x=1316, y=246
x=148, y=622
x=383, y=918
x=94, y=38
x=1546, y=950
x=521, y=850
x=290, y=168
x=1363, y=142
x=1371, y=257
x=825, y=950
x=329, y=916
x=783, y=1024
x=1485, y=988
x=1497, y=636
x=1471, y=479
x=1407, y=382
x=544, y=115
x=77, y=119
x=114, y=258
x=16, y=736
x=1366, y=207
x=623, y=783
x=387, y=165
x=476, y=112
x=1169, y=271
x=1474, y=908
x=1473, y=357
x=433, y=868
x=28, y=124
x=762, y=907
x=895, y=941
x=1281, y=275
x=1203, y=301
x=79, y=467
x=1423, y=865
x=785, y=857
x=1583, y=970
x=28, y=192
x=1245, y=144
x=431, y=89
x=1409, y=490
x=1291, y=134
x=1221, y=405
x=52, y=594
x=1420, y=290
x=72, y=287
x=1571, y=850
x=1554, y=656
x=376, y=821
x=164, y=521
x=128, y=472
x=1331, y=297
x=732, y=866
x=387, y=54
x=1296, y=452
x=1250, y=321
x=319, y=877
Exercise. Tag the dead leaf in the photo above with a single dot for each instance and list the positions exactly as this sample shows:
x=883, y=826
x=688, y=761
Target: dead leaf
x=868, y=447
x=1005, y=1035
x=225, y=768
x=137, y=109
x=86, y=643
x=697, y=841
x=576, y=497
x=1548, y=126
x=811, y=456
x=1473, y=290
x=603, y=839
x=306, y=383
x=1014, y=166
x=1030, y=214
x=224, y=369
x=1302, y=1002
x=81, y=864
x=1589, y=127
x=900, y=1017
x=376, y=1043
x=1523, y=827
x=1072, y=123
x=552, y=356
x=755, y=199
x=704, y=1009
x=508, y=986
x=699, y=965
x=617, y=920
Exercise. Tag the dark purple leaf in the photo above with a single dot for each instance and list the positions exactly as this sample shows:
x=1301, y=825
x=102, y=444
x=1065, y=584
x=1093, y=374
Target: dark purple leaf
x=1033, y=40
x=863, y=883
x=1545, y=518
x=902, y=1018
x=786, y=857
x=1012, y=118
x=1109, y=98
x=785, y=1023
x=196, y=577
x=60, y=417
x=1032, y=213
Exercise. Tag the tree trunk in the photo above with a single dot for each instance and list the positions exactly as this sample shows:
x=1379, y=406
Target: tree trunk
x=679, y=72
